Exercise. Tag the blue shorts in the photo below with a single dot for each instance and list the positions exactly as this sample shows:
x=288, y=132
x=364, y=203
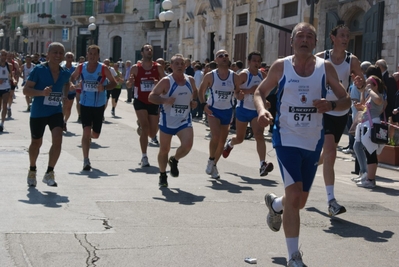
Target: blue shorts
x=71, y=96
x=297, y=165
x=174, y=131
x=224, y=115
x=245, y=115
x=3, y=92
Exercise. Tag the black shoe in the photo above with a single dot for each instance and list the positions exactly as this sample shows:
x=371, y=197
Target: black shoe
x=163, y=181
x=79, y=119
x=174, y=171
x=354, y=172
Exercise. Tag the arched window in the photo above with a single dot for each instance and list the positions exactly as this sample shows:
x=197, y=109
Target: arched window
x=116, y=48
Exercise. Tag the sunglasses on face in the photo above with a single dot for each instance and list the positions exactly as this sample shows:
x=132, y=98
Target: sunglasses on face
x=222, y=55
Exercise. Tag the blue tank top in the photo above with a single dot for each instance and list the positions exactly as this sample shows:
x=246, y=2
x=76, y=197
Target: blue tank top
x=45, y=106
x=90, y=96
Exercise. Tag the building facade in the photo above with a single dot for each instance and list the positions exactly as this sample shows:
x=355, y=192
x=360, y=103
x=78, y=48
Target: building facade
x=199, y=27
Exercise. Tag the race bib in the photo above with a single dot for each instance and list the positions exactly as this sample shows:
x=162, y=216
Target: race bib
x=147, y=85
x=53, y=99
x=302, y=117
x=178, y=110
x=223, y=96
x=90, y=86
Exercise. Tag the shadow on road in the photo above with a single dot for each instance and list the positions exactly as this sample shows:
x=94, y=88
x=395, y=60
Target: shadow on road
x=280, y=261
x=47, y=199
x=346, y=228
x=149, y=170
x=93, y=174
x=223, y=185
x=180, y=196
x=261, y=181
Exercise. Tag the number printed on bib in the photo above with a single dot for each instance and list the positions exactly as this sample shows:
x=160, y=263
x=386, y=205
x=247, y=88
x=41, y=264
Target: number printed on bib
x=178, y=110
x=223, y=96
x=90, y=86
x=147, y=85
x=53, y=99
x=301, y=117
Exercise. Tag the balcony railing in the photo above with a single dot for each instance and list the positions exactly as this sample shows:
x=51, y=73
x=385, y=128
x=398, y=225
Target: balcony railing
x=14, y=8
x=111, y=7
x=80, y=9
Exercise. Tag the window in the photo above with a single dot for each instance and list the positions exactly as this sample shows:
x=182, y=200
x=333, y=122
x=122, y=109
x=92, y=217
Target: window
x=290, y=9
x=242, y=19
x=43, y=7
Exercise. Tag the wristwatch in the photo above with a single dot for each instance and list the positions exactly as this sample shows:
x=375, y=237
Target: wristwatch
x=333, y=105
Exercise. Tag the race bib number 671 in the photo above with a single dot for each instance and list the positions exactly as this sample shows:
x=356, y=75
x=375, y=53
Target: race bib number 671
x=302, y=117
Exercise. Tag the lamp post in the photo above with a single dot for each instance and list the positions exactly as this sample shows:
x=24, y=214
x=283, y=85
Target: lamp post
x=166, y=17
x=1, y=37
x=92, y=28
x=18, y=33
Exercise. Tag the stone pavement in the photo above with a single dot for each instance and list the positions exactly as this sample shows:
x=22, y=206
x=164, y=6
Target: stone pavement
x=116, y=215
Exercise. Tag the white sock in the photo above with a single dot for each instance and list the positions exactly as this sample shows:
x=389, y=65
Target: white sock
x=277, y=204
x=230, y=144
x=144, y=155
x=292, y=245
x=261, y=163
x=330, y=192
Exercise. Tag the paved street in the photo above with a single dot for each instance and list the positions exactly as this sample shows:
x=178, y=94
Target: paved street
x=116, y=215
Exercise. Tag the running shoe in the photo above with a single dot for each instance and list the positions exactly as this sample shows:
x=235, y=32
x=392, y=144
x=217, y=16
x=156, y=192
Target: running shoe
x=64, y=128
x=49, y=179
x=215, y=173
x=266, y=168
x=296, y=260
x=360, y=178
x=144, y=162
x=174, y=171
x=113, y=112
x=334, y=208
x=273, y=218
x=154, y=141
x=209, y=166
x=86, y=165
x=163, y=181
x=28, y=109
x=9, y=113
x=227, y=149
x=79, y=119
x=139, y=130
x=366, y=183
x=31, y=178
x=1, y=128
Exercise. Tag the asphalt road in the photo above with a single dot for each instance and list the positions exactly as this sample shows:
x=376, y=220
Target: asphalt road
x=116, y=215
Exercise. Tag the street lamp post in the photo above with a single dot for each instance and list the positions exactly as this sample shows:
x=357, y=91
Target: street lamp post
x=1, y=37
x=92, y=28
x=18, y=33
x=166, y=17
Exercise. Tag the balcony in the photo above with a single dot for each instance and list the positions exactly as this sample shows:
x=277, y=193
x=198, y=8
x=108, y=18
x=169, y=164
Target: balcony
x=31, y=20
x=83, y=10
x=14, y=9
x=112, y=10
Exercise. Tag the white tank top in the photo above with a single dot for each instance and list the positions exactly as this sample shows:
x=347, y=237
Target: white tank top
x=221, y=91
x=178, y=114
x=297, y=122
x=5, y=77
x=344, y=73
x=27, y=71
x=248, y=101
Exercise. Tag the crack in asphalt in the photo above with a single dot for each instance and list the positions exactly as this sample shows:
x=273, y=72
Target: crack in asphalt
x=92, y=258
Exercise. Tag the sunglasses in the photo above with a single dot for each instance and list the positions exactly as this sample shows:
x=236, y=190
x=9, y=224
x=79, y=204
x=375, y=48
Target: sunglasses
x=222, y=55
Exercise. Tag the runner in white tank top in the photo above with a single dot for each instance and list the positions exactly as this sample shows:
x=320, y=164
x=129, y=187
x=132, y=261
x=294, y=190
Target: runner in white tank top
x=298, y=131
x=176, y=96
x=223, y=83
x=26, y=69
x=246, y=112
x=335, y=121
